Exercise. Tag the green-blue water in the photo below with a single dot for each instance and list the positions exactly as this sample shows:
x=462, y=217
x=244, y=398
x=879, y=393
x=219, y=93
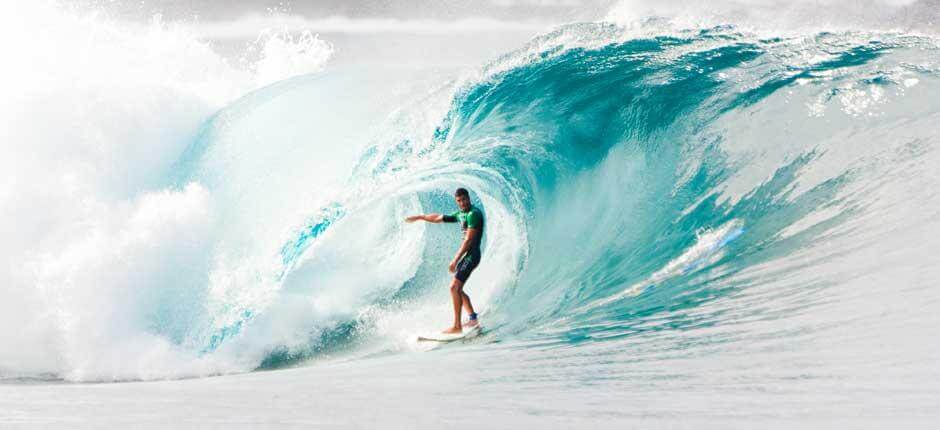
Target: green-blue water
x=668, y=216
x=636, y=186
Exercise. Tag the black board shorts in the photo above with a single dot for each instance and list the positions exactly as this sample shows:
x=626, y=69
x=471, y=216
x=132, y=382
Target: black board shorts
x=466, y=265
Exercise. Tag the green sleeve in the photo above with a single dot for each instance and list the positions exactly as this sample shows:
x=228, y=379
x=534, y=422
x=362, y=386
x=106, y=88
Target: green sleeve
x=474, y=219
x=451, y=218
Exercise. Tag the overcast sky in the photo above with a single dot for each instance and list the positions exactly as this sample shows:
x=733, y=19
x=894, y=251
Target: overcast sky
x=455, y=32
x=485, y=15
x=216, y=10
x=226, y=20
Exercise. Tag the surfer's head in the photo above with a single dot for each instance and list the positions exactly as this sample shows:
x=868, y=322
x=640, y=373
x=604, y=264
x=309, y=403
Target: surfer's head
x=462, y=196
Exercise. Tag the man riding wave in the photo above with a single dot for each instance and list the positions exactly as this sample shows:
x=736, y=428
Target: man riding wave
x=468, y=255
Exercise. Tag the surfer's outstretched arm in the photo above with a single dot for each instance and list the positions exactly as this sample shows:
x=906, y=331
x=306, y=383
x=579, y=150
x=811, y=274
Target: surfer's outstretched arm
x=435, y=218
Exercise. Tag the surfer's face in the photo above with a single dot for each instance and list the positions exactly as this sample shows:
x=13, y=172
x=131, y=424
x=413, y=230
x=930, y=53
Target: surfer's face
x=463, y=202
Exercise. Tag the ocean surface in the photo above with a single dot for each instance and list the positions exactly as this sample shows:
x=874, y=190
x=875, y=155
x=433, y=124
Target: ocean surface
x=704, y=226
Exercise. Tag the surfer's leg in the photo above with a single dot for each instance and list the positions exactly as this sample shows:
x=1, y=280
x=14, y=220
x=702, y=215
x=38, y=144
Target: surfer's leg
x=469, y=308
x=464, y=269
x=456, y=293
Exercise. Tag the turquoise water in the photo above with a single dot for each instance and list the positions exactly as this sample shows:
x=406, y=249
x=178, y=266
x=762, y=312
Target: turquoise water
x=710, y=223
x=640, y=187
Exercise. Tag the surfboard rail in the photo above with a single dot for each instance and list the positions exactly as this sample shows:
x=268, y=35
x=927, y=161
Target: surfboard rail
x=467, y=332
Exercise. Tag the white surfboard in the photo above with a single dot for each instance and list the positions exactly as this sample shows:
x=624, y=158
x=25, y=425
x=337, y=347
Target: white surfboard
x=467, y=332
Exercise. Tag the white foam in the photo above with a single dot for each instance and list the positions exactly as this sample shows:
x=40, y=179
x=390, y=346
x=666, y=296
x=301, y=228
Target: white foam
x=97, y=248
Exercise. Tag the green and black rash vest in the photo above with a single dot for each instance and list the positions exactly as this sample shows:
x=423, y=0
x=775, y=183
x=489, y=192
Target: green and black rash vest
x=472, y=218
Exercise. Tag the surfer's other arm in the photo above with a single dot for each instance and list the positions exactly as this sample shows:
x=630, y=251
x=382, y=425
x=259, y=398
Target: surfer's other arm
x=435, y=218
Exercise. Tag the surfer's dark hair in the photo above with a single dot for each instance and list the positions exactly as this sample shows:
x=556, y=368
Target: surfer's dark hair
x=462, y=192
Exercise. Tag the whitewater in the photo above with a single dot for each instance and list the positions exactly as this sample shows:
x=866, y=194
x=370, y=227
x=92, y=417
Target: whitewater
x=690, y=223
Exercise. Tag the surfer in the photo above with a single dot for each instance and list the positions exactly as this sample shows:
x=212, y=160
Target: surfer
x=468, y=255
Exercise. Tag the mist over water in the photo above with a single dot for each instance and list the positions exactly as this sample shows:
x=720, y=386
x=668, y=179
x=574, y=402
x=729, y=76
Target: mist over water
x=725, y=203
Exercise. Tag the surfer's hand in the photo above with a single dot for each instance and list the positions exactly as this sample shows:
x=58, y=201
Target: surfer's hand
x=413, y=218
x=453, y=266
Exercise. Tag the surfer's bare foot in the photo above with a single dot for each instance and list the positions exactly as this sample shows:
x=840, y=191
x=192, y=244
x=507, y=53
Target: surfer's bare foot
x=453, y=330
x=472, y=323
